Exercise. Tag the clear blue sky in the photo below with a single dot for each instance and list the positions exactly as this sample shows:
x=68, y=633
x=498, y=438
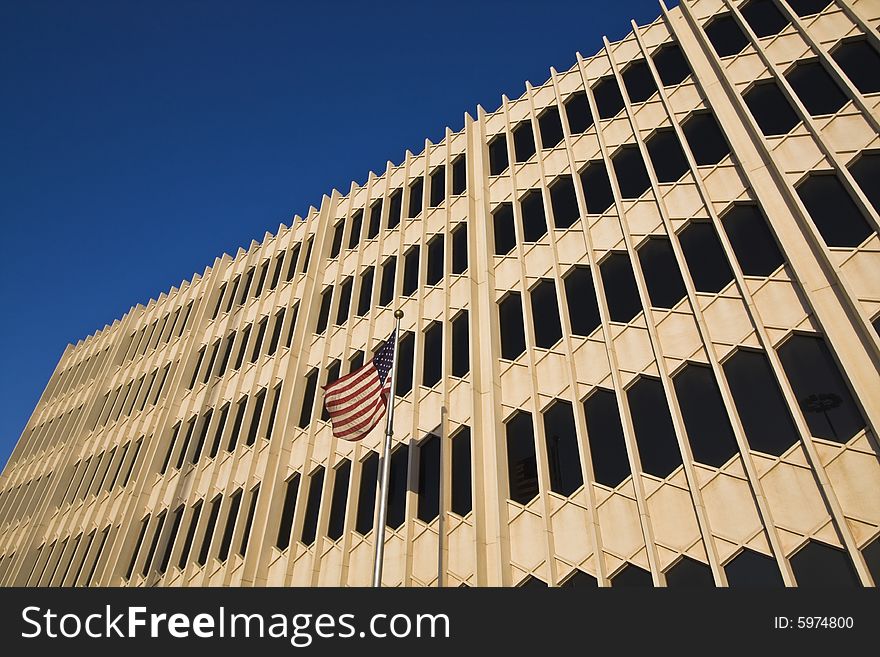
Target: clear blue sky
x=140, y=140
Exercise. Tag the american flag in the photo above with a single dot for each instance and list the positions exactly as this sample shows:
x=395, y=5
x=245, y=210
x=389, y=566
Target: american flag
x=357, y=401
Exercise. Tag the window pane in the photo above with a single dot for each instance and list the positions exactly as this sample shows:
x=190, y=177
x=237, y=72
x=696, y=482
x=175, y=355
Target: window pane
x=772, y=111
x=763, y=17
x=563, y=454
x=550, y=126
x=860, y=61
x=583, y=310
x=523, y=141
x=751, y=239
x=406, y=345
x=652, y=423
x=367, y=494
x=416, y=197
x=386, y=292
x=459, y=249
x=621, y=292
x=459, y=175
x=461, y=472
x=671, y=64
x=705, y=139
x=460, y=345
x=313, y=506
x=597, y=187
x=666, y=155
x=838, y=219
x=513, y=337
x=411, y=271
x=607, y=446
x=522, y=466
x=341, y=476
x=498, y=155
x=435, y=260
x=705, y=257
x=438, y=186
x=397, y=487
x=661, y=272
x=577, y=111
x=606, y=93
x=290, y=495
x=429, y=479
x=705, y=417
x=725, y=35
x=432, y=370
x=638, y=81
x=545, y=314
x=366, y=292
x=817, y=90
x=564, y=202
x=505, y=236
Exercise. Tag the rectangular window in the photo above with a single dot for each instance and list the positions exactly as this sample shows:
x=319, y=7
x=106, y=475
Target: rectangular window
x=461, y=472
x=459, y=175
x=293, y=313
x=332, y=375
x=219, y=305
x=287, y=511
x=395, y=202
x=209, y=530
x=308, y=256
x=356, y=361
x=498, y=159
x=264, y=271
x=231, y=518
x=313, y=507
x=461, y=361
x=190, y=427
x=305, y=415
x=276, y=332
x=218, y=433
x=416, y=197
x=459, y=249
x=137, y=451
x=258, y=343
x=195, y=374
x=397, y=487
x=276, y=271
x=203, y=436
x=186, y=317
x=230, y=300
x=354, y=237
x=249, y=278
x=236, y=425
x=276, y=396
x=405, y=364
x=429, y=479
x=411, y=271
x=365, y=295
x=111, y=482
x=338, y=502
x=386, y=290
x=438, y=186
x=254, y=429
x=344, y=301
x=435, y=260
x=227, y=353
x=167, y=459
x=245, y=336
x=336, y=245
x=375, y=220
x=294, y=259
x=172, y=536
x=154, y=543
x=432, y=370
x=190, y=535
x=137, y=547
x=248, y=523
x=324, y=312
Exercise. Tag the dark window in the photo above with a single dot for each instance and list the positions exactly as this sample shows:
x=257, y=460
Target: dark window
x=725, y=35
x=344, y=301
x=579, y=579
x=429, y=479
x=438, y=186
x=256, y=416
x=817, y=90
x=375, y=220
x=405, y=358
x=705, y=257
x=671, y=65
x=583, y=310
x=808, y=7
x=276, y=332
x=174, y=432
x=597, y=187
x=190, y=535
x=705, y=418
x=759, y=402
x=690, y=574
x=367, y=494
x=632, y=177
x=750, y=569
x=264, y=271
x=131, y=465
x=459, y=175
x=577, y=111
x=356, y=361
x=313, y=506
x=258, y=343
x=305, y=414
x=386, y=290
x=652, y=423
x=290, y=495
x=865, y=171
x=621, y=292
x=772, y=111
x=461, y=362
x=608, y=99
x=242, y=348
x=305, y=262
x=522, y=464
x=365, y=295
x=563, y=455
x=336, y=245
x=324, y=312
x=218, y=433
x=661, y=272
x=550, y=126
x=534, y=221
x=209, y=530
x=632, y=576
x=215, y=348
x=564, y=202
x=498, y=161
x=416, y=197
x=763, y=17
x=276, y=397
x=357, y=221
x=227, y=353
x=666, y=155
x=502, y=221
x=338, y=501
x=190, y=428
x=513, y=335
x=276, y=271
x=411, y=271
x=292, y=326
x=236, y=424
x=462, y=502
x=607, y=446
x=523, y=141
x=831, y=208
x=157, y=532
x=172, y=536
x=432, y=367
x=397, y=487
x=247, y=285
x=545, y=314
x=395, y=201
x=706, y=141
x=219, y=301
x=860, y=61
x=817, y=565
x=821, y=391
x=249, y=522
x=751, y=239
x=638, y=81
x=291, y=267
x=137, y=547
x=459, y=249
x=435, y=260
x=231, y=518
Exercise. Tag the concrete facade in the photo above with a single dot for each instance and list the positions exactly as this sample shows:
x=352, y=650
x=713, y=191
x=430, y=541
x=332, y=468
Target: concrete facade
x=746, y=397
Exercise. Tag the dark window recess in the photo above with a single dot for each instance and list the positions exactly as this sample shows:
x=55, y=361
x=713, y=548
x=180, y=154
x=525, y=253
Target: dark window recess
x=550, y=127
x=258, y=343
x=365, y=296
x=725, y=35
x=671, y=65
x=577, y=111
x=305, y=414
x=597, y=187
x=817, y=90
x=308, y=256
x=632, y=576
x=661, y=272
x=666, y=155
x=459, y=175
x=236, y=424
x=256, y=416
x=276, y=271
x=367, y=494
x=264, y=271
x=522, y=464
x=416, y=197
x=705, y=417
x=751, y=569
x=386, y=290
x=405, y=359
x=332, y=374
x=860, y=61
x=356, y=361
x=821, y=391
x=429, y=479
x=313, y=506
x=375, y=220
x=195, y=374
x=247, y=284
x=563, y=455
x=652, y=423
x=174, y=433
x=137, y=547
x=606, y=93
x=545, y=314
x=580, y=579
x=607, y=446
x=357, y=222
x=190, y=535
x=397, y=487
x=632, y=177
x=227, y=353
x=336, y=524
x=181, y=457
x=462, y=501
x=865, y=171
x=705, y=257
x=438, y=186
x=505, y=235
x=242, y=348
x=218, y=433
x=395, y=202
x=808, y=7
x=510, y=318
x=294, y=258
x=154, y=543
x=564, y=202
x=209, y=530
x=772, y=111
x=276, y=397
x=410, y=271
x=498, y=161
x=817, y=565
x=832, y=209
x=336, y=245
x=523, y=141
x=620, y=288
x=461, y=362
x=219, y=301
x=249, y=522
x=690, y=574
x=432, y=366
x=211, y=362
x=705, y=139
x=277, y=325
x=344, y=307
x=324, y=312
x=759, y=403
x=763, y=17
x=751, y=239
x=533, y=218
x=292, y=325
x=638, y=81
x=435, y=267
x=459, y=249
x=231, y=519
x=284, y=529
x=580, y=296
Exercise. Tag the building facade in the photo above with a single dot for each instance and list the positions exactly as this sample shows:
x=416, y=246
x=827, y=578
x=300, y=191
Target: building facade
x=640, y=347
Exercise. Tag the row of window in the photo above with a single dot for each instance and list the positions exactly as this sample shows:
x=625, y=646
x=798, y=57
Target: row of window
x=133, y=397
x=38, y=437
x=79, y=555
x=69, y=376
x=19, y=502
x=115, y=467
x=158, y=333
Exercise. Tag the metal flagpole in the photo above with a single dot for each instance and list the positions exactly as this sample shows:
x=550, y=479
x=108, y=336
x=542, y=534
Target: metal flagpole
x=386, y=463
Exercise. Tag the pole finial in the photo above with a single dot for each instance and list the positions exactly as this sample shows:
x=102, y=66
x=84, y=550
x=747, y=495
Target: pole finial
x=398, y=314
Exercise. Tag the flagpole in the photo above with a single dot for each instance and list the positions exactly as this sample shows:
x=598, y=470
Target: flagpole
x=386, y=463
